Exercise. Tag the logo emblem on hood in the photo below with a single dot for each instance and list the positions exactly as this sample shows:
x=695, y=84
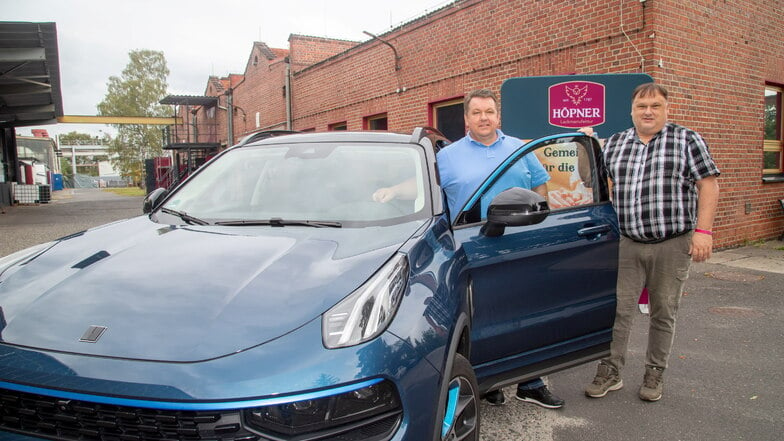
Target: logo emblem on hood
x=92, y=334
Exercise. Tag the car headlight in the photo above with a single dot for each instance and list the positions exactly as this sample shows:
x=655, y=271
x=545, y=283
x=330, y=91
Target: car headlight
x=22, y=255
x=372, y=408
x=367, y=312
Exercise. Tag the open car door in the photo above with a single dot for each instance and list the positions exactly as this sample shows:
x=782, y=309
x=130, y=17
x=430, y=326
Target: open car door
x=543, y=290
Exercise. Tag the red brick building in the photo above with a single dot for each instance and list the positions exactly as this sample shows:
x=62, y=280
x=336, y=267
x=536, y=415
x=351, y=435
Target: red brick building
x=723, y=63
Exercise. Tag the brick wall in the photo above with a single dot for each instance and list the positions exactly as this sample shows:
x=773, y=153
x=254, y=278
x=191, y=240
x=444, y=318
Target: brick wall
x=307, y=50
x=714, y=57
x=466, y=45
x=259, y=100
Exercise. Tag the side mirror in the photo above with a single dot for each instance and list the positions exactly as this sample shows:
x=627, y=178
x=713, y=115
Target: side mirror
x=514, y=207
x=154, y=199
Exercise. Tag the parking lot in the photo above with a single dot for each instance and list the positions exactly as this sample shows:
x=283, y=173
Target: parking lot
x=725, y=380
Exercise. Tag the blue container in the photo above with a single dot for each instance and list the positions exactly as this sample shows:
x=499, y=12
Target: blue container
x=57, y=181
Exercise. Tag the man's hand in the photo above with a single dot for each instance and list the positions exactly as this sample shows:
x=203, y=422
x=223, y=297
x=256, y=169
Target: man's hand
x=707, y=201
x=701, y=247
x=587, y=130
x=384, y=194
x=406, y=190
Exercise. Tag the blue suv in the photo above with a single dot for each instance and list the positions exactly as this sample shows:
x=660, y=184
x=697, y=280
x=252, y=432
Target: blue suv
x=269, y=297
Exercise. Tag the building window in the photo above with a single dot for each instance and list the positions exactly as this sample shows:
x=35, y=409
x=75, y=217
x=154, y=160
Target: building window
x=375, y=122
x=447, y=117
x=773, y=149
x=338, y=126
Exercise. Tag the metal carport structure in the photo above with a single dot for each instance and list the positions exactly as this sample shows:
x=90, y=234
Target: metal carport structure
x=30, y=91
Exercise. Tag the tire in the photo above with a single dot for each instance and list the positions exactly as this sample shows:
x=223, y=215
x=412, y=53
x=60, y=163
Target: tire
x=461, y=416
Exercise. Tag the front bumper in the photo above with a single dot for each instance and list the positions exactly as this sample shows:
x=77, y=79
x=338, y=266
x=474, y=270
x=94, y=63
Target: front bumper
x=70, y=397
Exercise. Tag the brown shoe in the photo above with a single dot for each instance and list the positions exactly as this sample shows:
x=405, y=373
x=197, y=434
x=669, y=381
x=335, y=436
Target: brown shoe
x=606, y=379
x=651, y=389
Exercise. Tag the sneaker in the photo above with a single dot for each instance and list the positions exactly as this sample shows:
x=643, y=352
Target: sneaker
x=495, y=397
x=541, y=397
x=651, y=389
x=644, y=308
x=606, y=379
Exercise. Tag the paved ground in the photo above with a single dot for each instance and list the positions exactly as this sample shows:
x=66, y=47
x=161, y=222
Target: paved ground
x=70, y=211
x=725, y=380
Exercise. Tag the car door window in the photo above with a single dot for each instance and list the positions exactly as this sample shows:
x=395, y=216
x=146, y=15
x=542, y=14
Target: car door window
x=571, y=174
x=572, y=166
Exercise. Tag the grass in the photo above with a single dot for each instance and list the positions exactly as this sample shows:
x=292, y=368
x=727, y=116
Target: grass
x=761, y=243
x=756, y=243
x=127, y=191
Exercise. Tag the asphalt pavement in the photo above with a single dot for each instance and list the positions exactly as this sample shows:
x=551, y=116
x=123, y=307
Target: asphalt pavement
x=725, y=380
x=69, y=211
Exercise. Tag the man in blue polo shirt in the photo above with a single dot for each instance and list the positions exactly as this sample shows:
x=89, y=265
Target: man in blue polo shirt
x=463, y=166
x=466, y=163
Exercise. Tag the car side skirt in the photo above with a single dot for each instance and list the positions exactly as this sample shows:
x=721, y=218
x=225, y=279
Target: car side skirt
x=536, y=370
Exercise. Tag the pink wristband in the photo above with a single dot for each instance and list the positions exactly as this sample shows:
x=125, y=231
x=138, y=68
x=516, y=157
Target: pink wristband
x=709, y=233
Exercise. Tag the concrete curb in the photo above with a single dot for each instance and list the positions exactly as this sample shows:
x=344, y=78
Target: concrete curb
x=767, y=257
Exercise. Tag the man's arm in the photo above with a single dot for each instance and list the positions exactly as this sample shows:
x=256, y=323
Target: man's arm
x=541, y=190
x=707, y=201
x=406, y=190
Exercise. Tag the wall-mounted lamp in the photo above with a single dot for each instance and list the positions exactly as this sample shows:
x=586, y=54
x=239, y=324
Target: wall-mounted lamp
x=397, y=57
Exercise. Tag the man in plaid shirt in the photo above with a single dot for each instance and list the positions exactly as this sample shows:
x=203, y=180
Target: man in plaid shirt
x=665, y=192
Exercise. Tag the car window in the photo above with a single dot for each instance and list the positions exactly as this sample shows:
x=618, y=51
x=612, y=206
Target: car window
x=571, y=174
x=305, y=182
x=570, y=167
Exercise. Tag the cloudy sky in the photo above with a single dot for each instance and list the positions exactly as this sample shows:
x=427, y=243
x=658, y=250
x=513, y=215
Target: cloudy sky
x=199, y=38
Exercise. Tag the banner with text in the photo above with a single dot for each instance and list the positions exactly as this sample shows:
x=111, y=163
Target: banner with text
x=533, y=107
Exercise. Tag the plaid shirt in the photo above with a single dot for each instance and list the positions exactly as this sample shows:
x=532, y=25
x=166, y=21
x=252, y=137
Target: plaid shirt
x=654, y=190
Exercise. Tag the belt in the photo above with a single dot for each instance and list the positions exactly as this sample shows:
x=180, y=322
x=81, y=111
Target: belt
x=660, y=240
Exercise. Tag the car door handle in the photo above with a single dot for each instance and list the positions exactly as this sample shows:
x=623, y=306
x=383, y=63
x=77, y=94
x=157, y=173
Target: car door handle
x=593, y=232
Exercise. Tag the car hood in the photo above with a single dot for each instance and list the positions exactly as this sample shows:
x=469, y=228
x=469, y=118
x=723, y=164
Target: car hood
x=141, y=290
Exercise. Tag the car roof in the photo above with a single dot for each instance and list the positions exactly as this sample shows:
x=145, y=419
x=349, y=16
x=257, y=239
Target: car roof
x=264, y=135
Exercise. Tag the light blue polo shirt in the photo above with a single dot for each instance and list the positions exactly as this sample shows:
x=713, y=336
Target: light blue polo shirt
x=466, y=163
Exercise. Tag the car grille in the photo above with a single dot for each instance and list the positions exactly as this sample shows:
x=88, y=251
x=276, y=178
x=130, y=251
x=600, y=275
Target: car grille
x=60, y=419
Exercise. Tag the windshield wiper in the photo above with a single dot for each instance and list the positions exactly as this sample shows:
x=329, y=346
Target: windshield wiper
x=278, y=222
x=185, y=216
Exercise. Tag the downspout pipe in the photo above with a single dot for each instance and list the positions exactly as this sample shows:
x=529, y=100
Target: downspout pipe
x=230, y=110
x=288, y=94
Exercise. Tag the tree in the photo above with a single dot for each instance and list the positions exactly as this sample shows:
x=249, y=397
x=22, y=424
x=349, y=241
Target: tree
x=65, y=167
x=76, y=138
x=87, y=165
x=137, y=92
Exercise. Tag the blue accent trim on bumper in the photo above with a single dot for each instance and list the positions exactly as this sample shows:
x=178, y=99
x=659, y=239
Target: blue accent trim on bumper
x=175, y=405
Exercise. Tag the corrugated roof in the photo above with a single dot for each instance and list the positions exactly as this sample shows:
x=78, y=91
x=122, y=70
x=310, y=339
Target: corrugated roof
x=29, y=74
x=190, y=100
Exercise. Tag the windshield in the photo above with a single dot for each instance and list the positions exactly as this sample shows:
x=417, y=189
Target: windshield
x=304, y=182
